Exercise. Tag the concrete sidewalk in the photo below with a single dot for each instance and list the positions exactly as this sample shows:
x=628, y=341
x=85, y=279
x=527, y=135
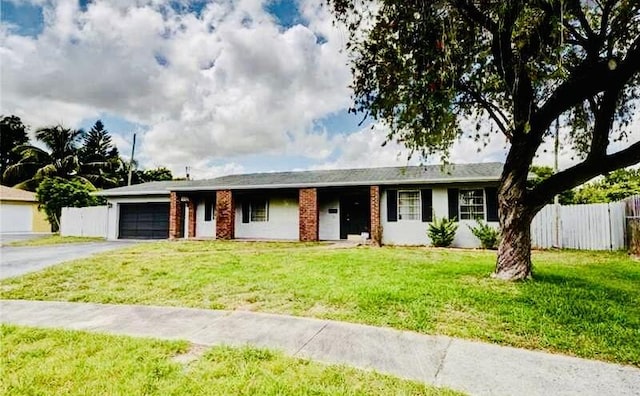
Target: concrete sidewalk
x=472, y=367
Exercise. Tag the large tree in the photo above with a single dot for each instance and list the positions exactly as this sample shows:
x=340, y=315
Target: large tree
x=100, y=161
x=58, y=158
x=423, y=66
x=13, y=133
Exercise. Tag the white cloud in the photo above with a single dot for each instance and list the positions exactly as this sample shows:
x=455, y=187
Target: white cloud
x=233, y=82
x=363, y=149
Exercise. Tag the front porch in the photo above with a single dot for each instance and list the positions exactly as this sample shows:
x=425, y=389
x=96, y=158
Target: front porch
x=304, y=214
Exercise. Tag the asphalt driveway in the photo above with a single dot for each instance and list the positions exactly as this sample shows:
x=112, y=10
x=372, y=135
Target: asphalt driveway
x=13, y=237
x=19, y=260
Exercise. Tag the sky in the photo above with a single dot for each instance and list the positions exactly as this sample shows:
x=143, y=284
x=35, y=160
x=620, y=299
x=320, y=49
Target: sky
x=220, y=86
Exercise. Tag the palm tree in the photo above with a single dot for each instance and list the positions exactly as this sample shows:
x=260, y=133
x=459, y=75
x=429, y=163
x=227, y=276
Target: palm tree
x=60, y=157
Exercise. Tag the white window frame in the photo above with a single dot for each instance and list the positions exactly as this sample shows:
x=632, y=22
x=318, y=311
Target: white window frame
x=419, y=203
x=484, y=205
x=253, y=203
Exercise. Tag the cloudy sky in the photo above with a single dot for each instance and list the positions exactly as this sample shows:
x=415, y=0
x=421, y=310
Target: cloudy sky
x=219, y=86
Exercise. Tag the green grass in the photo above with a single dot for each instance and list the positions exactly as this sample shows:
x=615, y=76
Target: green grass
x=54, y=240
x=56, y=362
x=581, y=303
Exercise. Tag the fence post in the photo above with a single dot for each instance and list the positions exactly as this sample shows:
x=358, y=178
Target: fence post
x=632, y=212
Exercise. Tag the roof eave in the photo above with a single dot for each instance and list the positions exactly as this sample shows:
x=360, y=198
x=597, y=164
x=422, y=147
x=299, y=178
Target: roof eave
x=130, y=193
x=336, y=184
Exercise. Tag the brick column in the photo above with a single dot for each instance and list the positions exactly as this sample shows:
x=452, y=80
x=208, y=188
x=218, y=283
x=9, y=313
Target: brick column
x=225, y=215
x=308, y=212
x=175, y=215
x=376, y=228
x=191, y=209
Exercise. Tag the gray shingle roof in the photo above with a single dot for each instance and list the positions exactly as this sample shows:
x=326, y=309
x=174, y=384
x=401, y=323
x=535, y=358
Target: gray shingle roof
x=430, y=174
x=151, y=188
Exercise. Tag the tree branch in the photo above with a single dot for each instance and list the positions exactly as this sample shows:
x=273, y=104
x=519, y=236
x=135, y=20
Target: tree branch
x=574, y=5
x=587, y=80
x=604, y=114
x=472, y=12
x=582, y=172
x=580, y=39
x=494, y=111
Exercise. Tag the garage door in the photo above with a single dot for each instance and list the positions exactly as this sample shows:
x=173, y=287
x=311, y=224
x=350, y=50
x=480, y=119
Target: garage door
x=15, y=218
x=144, y=221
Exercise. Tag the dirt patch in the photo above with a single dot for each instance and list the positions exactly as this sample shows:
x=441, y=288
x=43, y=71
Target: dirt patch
x=194, y=353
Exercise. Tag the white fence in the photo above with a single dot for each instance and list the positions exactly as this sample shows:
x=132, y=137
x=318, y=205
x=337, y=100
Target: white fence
x=590, y=227
x=89, y=222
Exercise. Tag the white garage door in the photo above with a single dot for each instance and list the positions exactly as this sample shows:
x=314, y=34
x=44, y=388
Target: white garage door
x=15, y=218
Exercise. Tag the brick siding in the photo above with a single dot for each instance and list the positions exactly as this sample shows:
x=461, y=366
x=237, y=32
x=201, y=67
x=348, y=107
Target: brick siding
x=175, y=215
x=308, y=212
x=191, y=209
x=376, y=227
x=225, y=215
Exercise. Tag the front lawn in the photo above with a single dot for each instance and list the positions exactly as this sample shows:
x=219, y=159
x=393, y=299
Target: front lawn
x=581, y=303
x=55, y=362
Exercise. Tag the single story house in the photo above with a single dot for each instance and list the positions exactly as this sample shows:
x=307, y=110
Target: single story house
x=19, y=212
x=394, y=205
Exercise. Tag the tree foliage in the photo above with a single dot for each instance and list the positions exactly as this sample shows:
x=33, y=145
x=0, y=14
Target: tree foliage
x=422, y=67
x=59, y=158
x=90, y=157
x=13, y=133
x=99, y=157
x=145, y=175
x=613, y=187
x=55, y=193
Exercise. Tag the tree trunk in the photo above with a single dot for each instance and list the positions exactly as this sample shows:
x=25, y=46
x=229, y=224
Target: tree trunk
x=514, y=251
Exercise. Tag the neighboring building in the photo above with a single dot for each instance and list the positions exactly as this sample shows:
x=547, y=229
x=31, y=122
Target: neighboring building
x=19, y=212
x=395, y=205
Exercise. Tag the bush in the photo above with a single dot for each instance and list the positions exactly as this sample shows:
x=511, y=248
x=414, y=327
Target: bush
x=442, y=232
x=487, y=235
x=55, y=193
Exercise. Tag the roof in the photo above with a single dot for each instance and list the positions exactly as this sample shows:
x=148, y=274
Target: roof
x=150, y=188
x=15, y=194
x=429, y=174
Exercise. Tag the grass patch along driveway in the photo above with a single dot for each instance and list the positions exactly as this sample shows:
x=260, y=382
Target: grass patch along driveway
x=581, y=303
x=55, y=362
x=54, y=240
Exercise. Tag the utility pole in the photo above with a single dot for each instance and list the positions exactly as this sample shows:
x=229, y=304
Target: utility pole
x=556, y=145
x=133, y=151
x=556, y=198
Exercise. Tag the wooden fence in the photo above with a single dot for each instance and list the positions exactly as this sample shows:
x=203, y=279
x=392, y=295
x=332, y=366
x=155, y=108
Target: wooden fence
x=632, y=209
x=89, y=222
x=590, y=227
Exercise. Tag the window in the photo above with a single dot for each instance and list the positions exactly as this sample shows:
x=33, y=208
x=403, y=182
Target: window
x=472, y=204
x=208, y=210
x=409, y=205
x=259, y=210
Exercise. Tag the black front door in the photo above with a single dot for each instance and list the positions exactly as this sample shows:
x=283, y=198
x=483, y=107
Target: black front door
x=354, y=215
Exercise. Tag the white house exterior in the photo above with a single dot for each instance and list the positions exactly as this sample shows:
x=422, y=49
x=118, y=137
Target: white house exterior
x=392, y=205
